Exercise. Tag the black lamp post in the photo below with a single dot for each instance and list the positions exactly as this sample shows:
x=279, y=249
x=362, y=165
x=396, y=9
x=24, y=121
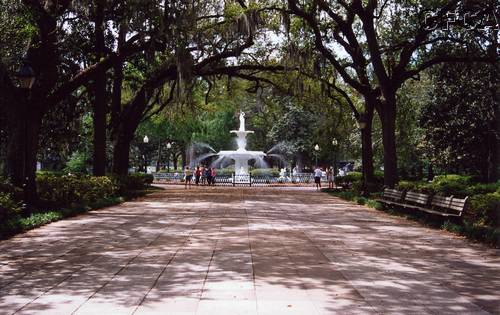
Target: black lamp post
x=26, y=78
x=316, y=149
x=169, y=146
x=334, y=144
x=146, y=141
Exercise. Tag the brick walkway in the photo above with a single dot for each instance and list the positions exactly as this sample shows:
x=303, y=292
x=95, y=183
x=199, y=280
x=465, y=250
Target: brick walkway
x=244, y=251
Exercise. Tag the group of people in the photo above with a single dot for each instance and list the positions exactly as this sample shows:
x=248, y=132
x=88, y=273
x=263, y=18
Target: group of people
x=203, y=175
x=318, y=173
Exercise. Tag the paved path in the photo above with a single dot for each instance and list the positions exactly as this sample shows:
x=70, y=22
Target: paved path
x=244, y=251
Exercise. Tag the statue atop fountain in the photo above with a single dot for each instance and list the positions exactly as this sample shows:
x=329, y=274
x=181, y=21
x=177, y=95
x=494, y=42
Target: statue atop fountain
x=242, y=121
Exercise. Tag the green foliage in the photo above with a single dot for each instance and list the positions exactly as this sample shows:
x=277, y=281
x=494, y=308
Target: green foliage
x=77, y=164
x=347, y=181
x=483, y=188
x=8, y=206
x=39, y=219
x=131, y=182
x=66, y=190
x=265, y=172
x=8, y=188
x=409, y=185
x=294, y=130
x=484, y=209
x=374, y=204
x=361, y=200
x=355, y=197
x=458, y=119
x=354, y=181
x=448, y=185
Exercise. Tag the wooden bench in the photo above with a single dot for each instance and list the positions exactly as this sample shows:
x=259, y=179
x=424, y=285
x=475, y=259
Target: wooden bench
x=416, y=200
x=448, y=206
x=392, y=197
x=439, y=205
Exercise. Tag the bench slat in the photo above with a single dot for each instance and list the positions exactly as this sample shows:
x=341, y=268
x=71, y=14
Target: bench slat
x=416, y=198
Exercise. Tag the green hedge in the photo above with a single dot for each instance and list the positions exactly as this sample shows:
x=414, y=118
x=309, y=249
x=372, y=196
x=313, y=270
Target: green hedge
x=484, y=209
x=354, y=181
x=68, y=194
x=347, y=181
x=456, y=185
x=132, y=182
x=68, y=190
x=481, y=219
x=265, y=172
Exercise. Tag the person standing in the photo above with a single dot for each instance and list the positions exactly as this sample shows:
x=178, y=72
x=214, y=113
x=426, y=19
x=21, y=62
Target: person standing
x=188, y=176
x=209, y=176
x=318, y=172
x=202, y=173
x=214, y=173
x=329, y=177
x=197, y=175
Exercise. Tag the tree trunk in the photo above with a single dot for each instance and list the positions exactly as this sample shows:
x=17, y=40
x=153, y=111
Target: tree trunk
x=184, y=159
x=175, y=161
x=494, y=133
x=116, y=102
x=430, y=172
x=99, y=89
x=387, y=114
x=99, y=115
x=367, y=152
x=158, y=160
x=121, y=153
x=366, y=142
x=494, y=156
x=22, y=151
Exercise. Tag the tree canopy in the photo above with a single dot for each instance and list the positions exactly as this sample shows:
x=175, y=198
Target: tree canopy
x=381, y=78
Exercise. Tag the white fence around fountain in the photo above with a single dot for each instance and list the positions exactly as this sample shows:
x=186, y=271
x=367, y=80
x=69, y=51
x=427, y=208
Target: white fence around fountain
x=301, y=179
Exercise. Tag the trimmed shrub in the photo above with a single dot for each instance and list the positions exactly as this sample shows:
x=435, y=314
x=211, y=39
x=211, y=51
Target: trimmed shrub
x=39, y=219
x=479, y=189
x=134, y=181
x=409, y=185
x=374, y=204
x=77, y=163
x=8, y=207
x=361, y=200
x=348, y=180
x=68, y=190
x=447, y=185
x=265, y=172
x=356, y=182
x=484, y=209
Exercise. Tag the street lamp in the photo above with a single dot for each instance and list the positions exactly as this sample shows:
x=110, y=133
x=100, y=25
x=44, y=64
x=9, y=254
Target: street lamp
x=146, y=141
x=316, y=148
x=169, y=146
x=26, y=77
x=334, y=144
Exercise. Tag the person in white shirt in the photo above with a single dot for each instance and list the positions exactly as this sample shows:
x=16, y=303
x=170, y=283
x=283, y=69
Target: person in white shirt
x=317, y=177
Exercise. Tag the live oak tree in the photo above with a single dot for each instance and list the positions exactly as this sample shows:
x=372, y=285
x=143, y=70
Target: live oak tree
x=57, y=77
x=200, y=39
x=375, y=46
x=459, y=120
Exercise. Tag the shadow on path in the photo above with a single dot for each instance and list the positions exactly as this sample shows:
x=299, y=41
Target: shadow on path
x=244, y=251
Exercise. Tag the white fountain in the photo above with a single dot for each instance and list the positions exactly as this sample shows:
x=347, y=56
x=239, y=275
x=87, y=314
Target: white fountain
x=241, y=156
